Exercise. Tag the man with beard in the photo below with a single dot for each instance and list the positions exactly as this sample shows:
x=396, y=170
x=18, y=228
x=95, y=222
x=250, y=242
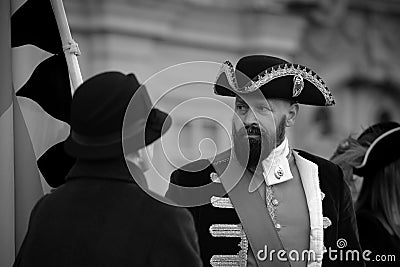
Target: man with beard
x=268, y=204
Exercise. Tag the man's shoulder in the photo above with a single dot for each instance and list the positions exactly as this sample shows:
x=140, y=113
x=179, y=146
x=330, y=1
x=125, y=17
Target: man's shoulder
x=322, y=163
x=194, y=174
x=330, y=174
x=198, y=173
x=166, y=212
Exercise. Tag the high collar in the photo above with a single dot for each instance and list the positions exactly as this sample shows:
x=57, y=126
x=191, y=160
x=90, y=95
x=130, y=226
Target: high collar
x=107, y=169
x=276, y=165
x=280, y=151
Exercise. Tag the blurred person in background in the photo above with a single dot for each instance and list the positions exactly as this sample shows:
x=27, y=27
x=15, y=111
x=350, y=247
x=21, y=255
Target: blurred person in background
x=375, y=156
x=348, y=154
x=100, y=216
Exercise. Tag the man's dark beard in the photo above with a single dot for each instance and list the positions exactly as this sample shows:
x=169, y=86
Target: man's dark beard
x=242, y=144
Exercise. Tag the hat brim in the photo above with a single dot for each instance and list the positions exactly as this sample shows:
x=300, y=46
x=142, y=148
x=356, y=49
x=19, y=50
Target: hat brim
x=281, y=87
x=157, y=125
x=380, y=153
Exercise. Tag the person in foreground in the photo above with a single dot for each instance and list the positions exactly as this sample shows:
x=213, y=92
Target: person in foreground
x=374, y=157
x=287, y=207
x=100, y=216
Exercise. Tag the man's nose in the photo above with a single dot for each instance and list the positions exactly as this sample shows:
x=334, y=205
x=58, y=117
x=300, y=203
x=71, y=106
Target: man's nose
x=250, y=118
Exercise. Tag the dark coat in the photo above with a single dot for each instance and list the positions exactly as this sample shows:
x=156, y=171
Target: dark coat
x=337, y=205
x=101, y=217
x=375, y=238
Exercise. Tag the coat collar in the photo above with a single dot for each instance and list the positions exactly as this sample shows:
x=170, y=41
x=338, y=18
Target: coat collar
x=115, y=169
x=309, y=176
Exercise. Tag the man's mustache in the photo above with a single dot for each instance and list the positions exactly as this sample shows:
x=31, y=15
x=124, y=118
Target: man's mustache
x=250, y=130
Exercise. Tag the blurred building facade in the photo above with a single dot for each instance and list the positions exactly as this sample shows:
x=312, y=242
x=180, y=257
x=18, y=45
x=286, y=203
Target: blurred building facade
x=351, y=44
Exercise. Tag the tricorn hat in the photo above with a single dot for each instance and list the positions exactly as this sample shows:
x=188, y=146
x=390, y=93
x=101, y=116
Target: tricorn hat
x=98, y=110
x=276, y=78
x=382, y=141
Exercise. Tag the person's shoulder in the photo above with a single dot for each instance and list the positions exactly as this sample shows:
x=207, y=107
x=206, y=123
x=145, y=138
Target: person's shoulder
x=330, y=174
x=160, y=211
x=326, y=168
x=164, y=210
x=193, y=174
x=320, y=161
x=49, y=198
x=199, y=172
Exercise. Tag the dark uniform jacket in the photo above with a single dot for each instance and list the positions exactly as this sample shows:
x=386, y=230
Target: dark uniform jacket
x=101, y=217
x=336, y=205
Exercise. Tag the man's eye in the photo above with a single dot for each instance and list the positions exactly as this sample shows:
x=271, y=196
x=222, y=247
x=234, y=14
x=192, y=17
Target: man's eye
x=265, y=109
x=241, y=107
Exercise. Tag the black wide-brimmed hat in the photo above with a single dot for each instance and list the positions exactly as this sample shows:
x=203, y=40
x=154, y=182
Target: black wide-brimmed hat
x=98, y=109
x=383, y=141
x=276, y=78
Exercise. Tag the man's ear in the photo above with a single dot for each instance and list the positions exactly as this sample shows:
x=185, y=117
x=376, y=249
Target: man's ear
x=292, y=114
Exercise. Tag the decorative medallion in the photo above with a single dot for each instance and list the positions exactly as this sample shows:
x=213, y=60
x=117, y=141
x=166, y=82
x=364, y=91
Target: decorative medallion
x=298, y=85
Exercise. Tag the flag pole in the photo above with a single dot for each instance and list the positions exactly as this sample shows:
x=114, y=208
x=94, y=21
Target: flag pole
x=70, y=47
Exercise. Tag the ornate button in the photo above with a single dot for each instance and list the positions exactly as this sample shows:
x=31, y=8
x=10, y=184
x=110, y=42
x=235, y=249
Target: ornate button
x=214, y=177
x=275, y=202
x=278, y=172
x=326, y=222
